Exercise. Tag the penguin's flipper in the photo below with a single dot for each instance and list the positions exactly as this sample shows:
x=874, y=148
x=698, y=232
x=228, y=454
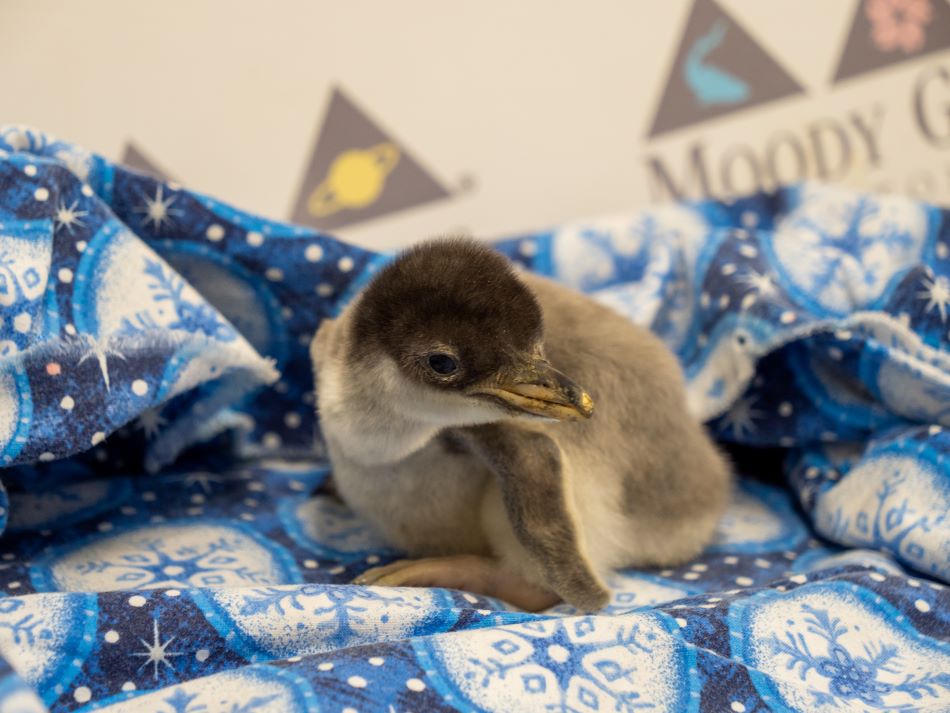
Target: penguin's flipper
x=530, y=476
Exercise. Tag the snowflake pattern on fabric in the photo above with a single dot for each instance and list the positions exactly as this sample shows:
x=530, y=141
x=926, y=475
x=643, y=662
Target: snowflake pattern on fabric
x=205, y=554
x=624, y=663
x=171, y=538
x=273, y=619
x=840, y=249
x=46, y=636
x=829, y=646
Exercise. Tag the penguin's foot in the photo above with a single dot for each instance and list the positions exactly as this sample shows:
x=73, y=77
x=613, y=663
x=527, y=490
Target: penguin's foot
x=472, y=573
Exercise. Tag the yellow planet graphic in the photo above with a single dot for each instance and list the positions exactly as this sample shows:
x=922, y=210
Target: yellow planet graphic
x=354, y=180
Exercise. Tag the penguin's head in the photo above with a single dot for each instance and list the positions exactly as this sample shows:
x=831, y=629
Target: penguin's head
x=450, y=331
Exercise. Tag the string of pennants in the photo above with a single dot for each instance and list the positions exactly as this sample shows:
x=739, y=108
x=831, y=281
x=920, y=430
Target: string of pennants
x=358, y=171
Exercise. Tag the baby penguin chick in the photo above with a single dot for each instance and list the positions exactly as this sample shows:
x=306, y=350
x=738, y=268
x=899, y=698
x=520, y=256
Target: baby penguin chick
x=518, y=437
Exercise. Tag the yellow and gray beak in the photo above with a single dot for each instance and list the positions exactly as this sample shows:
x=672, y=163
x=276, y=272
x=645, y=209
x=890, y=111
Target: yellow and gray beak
x=540, y=390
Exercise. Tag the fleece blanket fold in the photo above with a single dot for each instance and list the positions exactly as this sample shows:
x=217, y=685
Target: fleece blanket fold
x=169, y=544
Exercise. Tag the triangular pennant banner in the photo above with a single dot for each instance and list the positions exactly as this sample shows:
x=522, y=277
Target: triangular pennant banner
x=886, y=32
x=718, y=69
x=134, y=157
x=358, y=171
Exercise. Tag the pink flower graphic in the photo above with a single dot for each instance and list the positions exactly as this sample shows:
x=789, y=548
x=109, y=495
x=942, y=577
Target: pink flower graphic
x=898, y=23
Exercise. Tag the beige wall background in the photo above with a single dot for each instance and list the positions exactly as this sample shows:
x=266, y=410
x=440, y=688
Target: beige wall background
x=543, y=106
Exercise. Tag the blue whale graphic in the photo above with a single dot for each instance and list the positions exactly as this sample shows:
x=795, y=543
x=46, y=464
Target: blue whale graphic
x=709, y=84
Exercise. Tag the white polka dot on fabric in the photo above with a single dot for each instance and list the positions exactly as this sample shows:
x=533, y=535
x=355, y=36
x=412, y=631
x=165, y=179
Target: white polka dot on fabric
x=22, y=322
x=214, y=232
x=139, y=387
x=744, y=581
x=737, y=707
x=345, y=264
x=65, y=275
x=111, y=636
x=377, y=661
x=41, y=194
x=922, y=606
x=137, y=600
x=325, y=666
x=255, y=239
x=97, y=438
x=313, y=253
x=202, y=655
x=748, y=251
x=357, y=681
x=414, y=684
x=128, y=686
x=82, y=694
x=29, y=170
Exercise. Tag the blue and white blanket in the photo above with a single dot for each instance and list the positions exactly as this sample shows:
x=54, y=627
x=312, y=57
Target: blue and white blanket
x=168, y=547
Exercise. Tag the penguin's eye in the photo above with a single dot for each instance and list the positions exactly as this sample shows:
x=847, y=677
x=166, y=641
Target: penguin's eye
x=442, y=364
